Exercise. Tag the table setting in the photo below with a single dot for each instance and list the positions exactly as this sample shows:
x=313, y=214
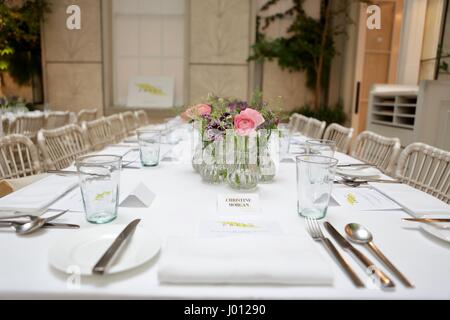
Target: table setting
x=147, y=219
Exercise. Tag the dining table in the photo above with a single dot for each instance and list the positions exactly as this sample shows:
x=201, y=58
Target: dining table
x=182, y=201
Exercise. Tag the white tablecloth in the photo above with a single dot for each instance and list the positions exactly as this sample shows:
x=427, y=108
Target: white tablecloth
x=183, y=200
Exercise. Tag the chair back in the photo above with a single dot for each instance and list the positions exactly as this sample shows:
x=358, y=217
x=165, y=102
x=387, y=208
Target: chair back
x=56, y=119
x=99, y=133
x=28, y=125
x=117, y=127
x=299, y=123
x=339, y=134
x=426, y=168
x=86, y=115
x=130, y=122
x=5, y=125
x=141, y=118
x=60, y=147
x=18, y=157
x=377, y=150
x=315, y=128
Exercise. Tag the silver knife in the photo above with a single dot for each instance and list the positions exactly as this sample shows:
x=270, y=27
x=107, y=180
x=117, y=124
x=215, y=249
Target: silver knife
x=102, y=264
x=385, y=281
x=47, y=225
x=355, y=165
x=427, y=219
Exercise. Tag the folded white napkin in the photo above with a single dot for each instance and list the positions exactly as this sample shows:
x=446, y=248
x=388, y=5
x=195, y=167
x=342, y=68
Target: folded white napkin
x=245, y=259
x=117, y=151
x=39, y=195
x=416, y=202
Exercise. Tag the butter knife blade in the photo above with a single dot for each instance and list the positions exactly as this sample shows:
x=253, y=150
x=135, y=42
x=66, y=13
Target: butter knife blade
x=427, y=219
x=47, y=225
x=385, y=281
x=102, y=264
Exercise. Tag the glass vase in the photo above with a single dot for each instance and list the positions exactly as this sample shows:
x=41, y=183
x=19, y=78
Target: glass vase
x=213, y=169
x=197, y=146
x=243, y=173
x=266, y=163
x=266, y=166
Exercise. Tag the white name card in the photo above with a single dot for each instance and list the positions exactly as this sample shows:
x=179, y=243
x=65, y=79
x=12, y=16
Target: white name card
x=139, y=197
x=229, y=204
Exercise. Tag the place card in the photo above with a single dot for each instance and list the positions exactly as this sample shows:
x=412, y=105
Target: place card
x=229, y=204
x=364, y=199
x=234, y=225
x=134, y=196
x=139, y=197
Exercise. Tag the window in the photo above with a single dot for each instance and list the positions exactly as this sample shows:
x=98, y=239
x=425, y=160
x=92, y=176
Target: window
x=148, y=40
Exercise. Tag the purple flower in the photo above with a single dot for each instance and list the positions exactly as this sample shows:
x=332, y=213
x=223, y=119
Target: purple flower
x=238, y=106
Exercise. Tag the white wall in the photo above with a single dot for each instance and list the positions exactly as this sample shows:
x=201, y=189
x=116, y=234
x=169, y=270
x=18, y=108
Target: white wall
x=148, y=40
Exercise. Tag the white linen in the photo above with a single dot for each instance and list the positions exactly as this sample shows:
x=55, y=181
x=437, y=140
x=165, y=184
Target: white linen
x=39, y=195
x=246, y=259
x=416, y=202
x=184, y=201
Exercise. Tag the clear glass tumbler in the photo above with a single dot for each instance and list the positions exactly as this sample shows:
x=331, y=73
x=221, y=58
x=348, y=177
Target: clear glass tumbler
x=149, y=146
x=315, y=176
x=99, y=177
x=321, y=147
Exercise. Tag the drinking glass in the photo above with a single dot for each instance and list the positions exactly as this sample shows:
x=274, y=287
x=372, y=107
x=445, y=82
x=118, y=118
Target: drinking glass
x=284, y=135
x=149, y=146
x=321, y=147
x=99, y=177
x=315, y=176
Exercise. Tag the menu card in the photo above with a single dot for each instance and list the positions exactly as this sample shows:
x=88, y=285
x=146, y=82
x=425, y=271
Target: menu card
x=365, y=199
x=235, y=225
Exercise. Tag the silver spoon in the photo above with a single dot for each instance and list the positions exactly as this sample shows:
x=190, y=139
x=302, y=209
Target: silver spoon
x=28, y=227
x=359, y=234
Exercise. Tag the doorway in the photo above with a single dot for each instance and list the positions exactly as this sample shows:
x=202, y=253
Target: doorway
x=377, y=55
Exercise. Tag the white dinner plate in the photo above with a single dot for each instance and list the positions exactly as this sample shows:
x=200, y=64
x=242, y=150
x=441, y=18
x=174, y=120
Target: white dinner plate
x=439, y=230
x=356, y=172
x=82, y=249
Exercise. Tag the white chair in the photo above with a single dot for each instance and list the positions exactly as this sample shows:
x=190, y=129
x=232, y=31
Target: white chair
x=99, y=133
x=426, y=168
x=86, y=115
x=5, y=125
x=299, y=123
x=18, y=157
x=315, y=128
x=339, y=134
x=57, y=119
x=117, y=127
x=27, y=125
x=141, y=118
x=60, y=147
x=130, y=122
x=377, y=150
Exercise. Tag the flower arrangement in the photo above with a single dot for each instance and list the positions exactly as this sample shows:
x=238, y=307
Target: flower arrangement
x=249, y=124
x=221, y=114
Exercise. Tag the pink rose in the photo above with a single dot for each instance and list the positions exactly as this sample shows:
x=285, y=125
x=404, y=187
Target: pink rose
x=247, y=121
x=197, y=111
x=203, y=109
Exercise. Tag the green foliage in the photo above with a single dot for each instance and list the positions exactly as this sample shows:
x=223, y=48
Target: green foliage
x=302, y=48
x=300, y=51
x=20, y=51
x=329, y=114
x=309, y=43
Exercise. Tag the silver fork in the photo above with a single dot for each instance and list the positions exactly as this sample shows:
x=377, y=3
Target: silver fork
x=316, y=233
